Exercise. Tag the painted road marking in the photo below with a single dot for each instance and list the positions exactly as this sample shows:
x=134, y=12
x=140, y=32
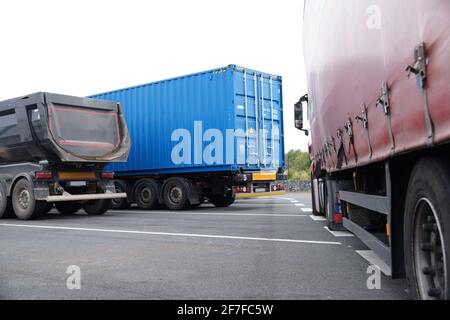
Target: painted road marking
x=306, y=210
x=373, y=259
x=316, y=218
x=213, y=213
x=299, y=204
x=340, y=233
x=184, y=235
x=295, y=201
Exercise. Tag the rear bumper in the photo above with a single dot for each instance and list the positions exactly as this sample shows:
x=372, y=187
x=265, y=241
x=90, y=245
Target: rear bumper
x=260, y=176
x=259, y=189
x=259, y=195
x=85, y=197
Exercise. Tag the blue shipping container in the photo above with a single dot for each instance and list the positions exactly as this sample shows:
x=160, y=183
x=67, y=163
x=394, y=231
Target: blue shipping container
x=227, y=119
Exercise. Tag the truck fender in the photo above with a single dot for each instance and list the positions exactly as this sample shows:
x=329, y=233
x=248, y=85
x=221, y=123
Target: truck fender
x=10, y=187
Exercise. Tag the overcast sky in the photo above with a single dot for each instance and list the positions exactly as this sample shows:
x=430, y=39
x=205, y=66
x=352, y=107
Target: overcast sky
x=84, y=47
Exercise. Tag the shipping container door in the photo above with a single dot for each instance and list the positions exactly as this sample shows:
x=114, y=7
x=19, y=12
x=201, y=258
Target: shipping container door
x=270, y=121
x=258, y=115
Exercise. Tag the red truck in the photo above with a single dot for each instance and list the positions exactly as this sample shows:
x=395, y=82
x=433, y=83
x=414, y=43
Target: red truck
x=379, y=112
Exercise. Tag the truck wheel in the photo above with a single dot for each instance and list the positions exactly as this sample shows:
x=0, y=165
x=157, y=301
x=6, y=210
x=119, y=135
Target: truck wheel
x=3, y=202
x=315, y=196
x=120, y=204
x=68, y=208
x=97, y=207
x=426, y=230
x=25, y=205
x=222, y=201
x=176, y=194
x=146, y=194
x=9, y=211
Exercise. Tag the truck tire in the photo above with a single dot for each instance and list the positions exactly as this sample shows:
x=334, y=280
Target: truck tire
x=120, y=204
x=9, y=212
x=25, y=205
x=427, y=230
x=68, y=208
x=222, y=201
x=97, y=207
x=175, y=194
x=3, y=202
x=146, y=194
x=315, y=198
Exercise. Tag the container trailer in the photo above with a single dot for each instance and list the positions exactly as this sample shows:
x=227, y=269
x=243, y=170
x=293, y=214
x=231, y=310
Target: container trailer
x=379, y=112
x=53, y=151
x=211, y=135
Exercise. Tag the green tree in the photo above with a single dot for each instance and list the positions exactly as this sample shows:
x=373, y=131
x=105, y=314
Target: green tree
x=298, y=164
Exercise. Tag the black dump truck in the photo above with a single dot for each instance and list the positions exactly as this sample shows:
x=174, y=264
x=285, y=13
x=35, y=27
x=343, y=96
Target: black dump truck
x=53, y=151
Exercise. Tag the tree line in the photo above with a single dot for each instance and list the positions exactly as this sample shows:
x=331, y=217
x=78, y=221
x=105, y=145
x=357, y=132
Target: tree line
x=298, y=165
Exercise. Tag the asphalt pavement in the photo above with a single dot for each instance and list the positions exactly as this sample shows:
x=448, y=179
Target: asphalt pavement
x=266, y=248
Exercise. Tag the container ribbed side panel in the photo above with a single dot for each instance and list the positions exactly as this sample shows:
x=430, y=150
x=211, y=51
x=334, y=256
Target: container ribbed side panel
x=208, y=100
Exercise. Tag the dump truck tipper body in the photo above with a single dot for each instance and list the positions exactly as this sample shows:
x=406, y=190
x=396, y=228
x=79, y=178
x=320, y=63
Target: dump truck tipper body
x=54, y=148
x=379, y=110
x=217, y=129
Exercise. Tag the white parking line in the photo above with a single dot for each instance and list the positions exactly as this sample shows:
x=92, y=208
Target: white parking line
x=185, y=235
x=306, y=210
x=214, y=213
x=316, y=218
x=373, y=259
x=340, y=233
x=295, y=201
x=299, y=204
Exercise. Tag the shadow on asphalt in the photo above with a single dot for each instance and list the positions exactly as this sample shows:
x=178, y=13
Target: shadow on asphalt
x=242, y=206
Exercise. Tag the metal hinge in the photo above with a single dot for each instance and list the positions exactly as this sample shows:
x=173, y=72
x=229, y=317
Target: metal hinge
x=363, y=117
x=364, y=120
x=351, y=146
x=331, y=144
x=341, y=156
x=420, y=66
x=420, y=70
x=349, y=129
x=384, y=99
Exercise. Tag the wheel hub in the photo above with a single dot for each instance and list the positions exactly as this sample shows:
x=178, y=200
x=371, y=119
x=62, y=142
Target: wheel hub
x=430, y=262
x=24, y=199
x=176, y=194
x=146, y=194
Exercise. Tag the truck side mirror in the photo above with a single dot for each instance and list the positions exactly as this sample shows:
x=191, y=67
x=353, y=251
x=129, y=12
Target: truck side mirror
x=298, y=110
